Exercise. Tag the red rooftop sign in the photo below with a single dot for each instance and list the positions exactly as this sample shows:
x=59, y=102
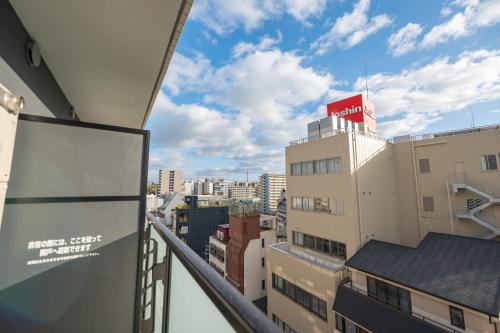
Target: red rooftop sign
x=357, y=109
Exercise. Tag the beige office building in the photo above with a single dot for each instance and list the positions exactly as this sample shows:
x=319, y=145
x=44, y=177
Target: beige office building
x=348, y=188
x=169, y=181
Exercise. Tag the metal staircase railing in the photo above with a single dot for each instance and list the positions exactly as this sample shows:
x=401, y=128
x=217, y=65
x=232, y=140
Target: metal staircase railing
x=476, y=209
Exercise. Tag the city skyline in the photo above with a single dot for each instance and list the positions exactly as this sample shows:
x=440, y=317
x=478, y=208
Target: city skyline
x=430, y=67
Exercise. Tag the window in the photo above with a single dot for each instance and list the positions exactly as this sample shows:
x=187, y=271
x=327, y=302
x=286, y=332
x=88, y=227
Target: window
x=296, y=169
x=300, y=296
x=309, y=242
x=262, y=240
x=263, y=284
x=263, y=262
x=321, y=245
x=307, y=168
x=425, y=166
x=457, y=317
x=298, y=238
x=322, y=166
x=282, y=325
x=321, y=205
x=488, y=162
x=428, y=204
x=316, y=167
x=337, y=207
x=389, y=294
x=330, y=165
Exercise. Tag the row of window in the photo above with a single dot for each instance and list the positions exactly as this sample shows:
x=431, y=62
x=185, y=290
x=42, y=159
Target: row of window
x=324, y=205
x=217, y=252
x=389, y=294
x=300, y=296
x=344, y=325
x=316, y=167
x=400, y=299
x=318, y=244
x=282, y=325
x=489, y=162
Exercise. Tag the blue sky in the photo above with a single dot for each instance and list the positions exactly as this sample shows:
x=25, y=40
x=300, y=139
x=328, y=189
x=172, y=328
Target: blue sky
x=247, y=76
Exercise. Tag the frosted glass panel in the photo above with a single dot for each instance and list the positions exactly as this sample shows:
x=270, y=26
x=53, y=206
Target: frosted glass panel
x=53, y=160
x=190, y=308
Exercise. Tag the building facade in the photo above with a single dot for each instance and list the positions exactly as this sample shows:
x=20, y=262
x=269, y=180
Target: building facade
x=195, y=223
x=242, y=190
x=271, y=187
x=246, y=254
x=349, y=187
x=217, y=249
x=169, y=181
x=281, y=217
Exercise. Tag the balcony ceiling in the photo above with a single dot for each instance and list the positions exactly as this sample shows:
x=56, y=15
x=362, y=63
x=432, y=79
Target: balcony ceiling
x=108, y=56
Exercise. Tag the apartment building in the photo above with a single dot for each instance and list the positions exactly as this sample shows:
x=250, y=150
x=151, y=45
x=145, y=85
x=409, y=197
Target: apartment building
x=346, y=187
x=271, y=187
x=196, y=222
x=246, y=253
x=281, y=217
x=242, y=190
x=217, y=249
x=169, y=181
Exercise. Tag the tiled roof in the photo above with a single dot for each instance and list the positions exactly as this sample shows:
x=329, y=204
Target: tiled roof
x=462, y=270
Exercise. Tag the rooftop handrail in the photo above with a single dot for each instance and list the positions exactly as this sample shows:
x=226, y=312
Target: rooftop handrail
x=238, y=311
x=332, y=133
x=348, y=284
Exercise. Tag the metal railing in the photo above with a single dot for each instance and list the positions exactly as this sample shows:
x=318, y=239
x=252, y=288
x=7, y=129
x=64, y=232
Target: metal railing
x=462, y=131
x=230, y=309
x=397, y=307
x=333, y=133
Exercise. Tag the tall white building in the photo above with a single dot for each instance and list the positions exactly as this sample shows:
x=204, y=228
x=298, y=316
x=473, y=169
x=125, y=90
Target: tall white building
x=188, y=187
x=169, y=181
x=271, y=187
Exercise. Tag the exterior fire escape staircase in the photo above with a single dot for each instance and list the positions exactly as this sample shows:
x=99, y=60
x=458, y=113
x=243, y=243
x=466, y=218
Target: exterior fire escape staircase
x=476, y=209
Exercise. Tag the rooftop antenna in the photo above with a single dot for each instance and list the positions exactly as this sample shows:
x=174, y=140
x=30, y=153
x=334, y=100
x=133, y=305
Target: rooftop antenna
x=366, y=79
x=246, y=190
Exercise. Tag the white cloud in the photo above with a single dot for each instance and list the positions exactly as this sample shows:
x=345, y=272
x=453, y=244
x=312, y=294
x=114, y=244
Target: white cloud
x=254, y=99
x=352, y=28
x=404, y=40
x=265, y=43
x=185, y=73
x=474, y=15
x=303, y=9
x=224, y=16
x=421, y=94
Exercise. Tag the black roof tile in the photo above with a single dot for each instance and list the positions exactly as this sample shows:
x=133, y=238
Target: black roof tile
x=462, y=270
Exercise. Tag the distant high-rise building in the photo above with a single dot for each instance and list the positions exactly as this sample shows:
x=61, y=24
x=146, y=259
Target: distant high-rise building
x=242, y=190
x=271, y=187
x=281, y=217
x=188, y=187
x=169, y=181
x=207, y=187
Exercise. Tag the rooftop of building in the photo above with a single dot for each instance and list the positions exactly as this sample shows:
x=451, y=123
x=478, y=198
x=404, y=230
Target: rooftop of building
x=402, y=138
x=461, y=270
x=332, y=265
